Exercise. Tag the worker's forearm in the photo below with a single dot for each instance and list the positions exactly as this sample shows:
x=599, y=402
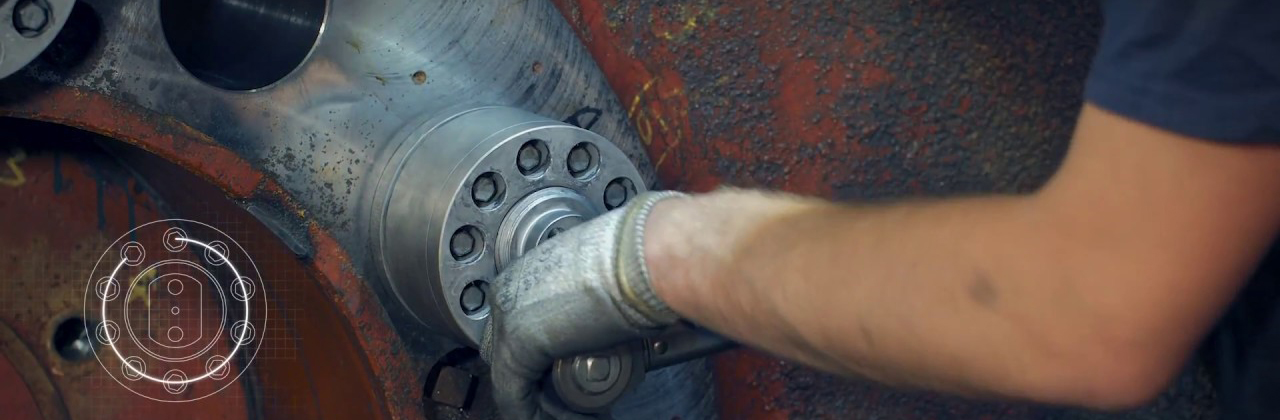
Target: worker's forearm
x=932, y=294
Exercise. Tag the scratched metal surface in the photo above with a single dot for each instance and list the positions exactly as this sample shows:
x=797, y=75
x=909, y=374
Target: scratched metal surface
x=854, y=100
x=299, y=154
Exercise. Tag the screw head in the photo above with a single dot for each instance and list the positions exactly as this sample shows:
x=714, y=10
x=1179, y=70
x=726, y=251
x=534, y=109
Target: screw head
x=529, y=158
x=660, y=347
x=484, y=190
x=462, y=244
x=473, y=298
x=579, y=160
x=31, y=17
x=616, y=194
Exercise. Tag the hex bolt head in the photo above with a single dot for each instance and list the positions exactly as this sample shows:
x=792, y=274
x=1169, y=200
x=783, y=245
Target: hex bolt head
x=473, y=298
x=453, y=387
x=462, y=244
x=31, y=17
x=597, y=369
x=579, y=160
x=617, y=193
x=485, y=189
x=529, y=159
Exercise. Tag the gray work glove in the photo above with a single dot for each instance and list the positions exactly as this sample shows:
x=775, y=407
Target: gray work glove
x=584, y=290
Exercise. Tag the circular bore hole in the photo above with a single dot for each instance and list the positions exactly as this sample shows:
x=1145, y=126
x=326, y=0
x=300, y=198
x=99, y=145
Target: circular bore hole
x=466, y=244
x=583, y=161
x=241, y=44
x=618, y=193
x=533, y=158
x=488, y=190
x=474, y=299
x=71, y=340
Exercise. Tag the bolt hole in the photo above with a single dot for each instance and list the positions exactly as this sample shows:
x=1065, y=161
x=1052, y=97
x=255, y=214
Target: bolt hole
x=583, y=161
x=488, y=190
x=618, y=192
x=533, y=158
x=71, y=340
x=475, y=299
x=78, y=38
x=466, y=244
x=241, y=44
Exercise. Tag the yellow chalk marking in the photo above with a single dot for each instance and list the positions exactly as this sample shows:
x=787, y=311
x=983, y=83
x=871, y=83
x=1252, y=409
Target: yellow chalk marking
x=18, y=178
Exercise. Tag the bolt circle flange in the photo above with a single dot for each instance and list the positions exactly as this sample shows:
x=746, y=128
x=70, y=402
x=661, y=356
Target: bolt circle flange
x=473, y=190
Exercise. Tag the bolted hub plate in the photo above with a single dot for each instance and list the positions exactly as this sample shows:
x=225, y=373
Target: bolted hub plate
x=468, y=193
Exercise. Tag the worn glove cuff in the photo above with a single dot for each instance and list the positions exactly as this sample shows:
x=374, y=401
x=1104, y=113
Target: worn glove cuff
x=633, y=273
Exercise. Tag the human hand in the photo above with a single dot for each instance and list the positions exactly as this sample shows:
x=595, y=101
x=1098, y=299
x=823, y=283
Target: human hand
x=584, y=290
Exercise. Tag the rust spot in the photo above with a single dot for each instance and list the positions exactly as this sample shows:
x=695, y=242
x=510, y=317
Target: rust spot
x=536, y=67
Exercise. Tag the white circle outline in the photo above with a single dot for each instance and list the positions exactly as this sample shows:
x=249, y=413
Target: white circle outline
x=124, y=251
x=180, y=386
x=214, y=360
x=213, y=246
x=246, y=289
x=131, y=369
x=236, y=340
x=109, y=282
x=180, y=233
x=103, y=333
x=245, y=327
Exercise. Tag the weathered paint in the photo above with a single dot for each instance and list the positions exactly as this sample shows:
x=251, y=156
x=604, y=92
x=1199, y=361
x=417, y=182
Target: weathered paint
x=353, y=364
x=52, y=236
x=852, y=100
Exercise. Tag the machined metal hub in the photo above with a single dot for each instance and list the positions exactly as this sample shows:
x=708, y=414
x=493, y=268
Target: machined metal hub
x=468, y=193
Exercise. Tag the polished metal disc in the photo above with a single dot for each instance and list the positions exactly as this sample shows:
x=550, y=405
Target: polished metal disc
x=468, y=193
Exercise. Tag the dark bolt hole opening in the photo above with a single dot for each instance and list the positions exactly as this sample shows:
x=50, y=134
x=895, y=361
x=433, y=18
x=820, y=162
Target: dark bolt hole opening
x=79, y=38
x=71, y=340
x=241, y=44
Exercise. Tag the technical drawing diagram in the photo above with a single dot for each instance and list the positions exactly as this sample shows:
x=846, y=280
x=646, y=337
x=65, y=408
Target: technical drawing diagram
x=155, y=295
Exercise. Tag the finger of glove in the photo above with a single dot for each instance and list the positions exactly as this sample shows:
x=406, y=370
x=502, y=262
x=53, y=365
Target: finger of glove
x=514, y=393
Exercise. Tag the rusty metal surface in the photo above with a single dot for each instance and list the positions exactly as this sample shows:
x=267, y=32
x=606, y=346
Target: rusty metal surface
x=76, y=191
x=62, y=206
x=298, y=154
x=216, y=171
x=854, y=100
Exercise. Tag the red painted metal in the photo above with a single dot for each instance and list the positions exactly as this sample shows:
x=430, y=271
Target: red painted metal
x=853, y=99
x=353, y=364
x=69, y=211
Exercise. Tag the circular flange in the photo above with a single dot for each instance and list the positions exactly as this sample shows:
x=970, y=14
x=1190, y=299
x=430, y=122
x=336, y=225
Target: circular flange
x=466, y=193
x=27, y=27
x=172, y=308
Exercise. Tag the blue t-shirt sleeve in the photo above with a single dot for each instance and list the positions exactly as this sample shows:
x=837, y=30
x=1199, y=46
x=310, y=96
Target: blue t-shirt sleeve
x=1202, y=68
